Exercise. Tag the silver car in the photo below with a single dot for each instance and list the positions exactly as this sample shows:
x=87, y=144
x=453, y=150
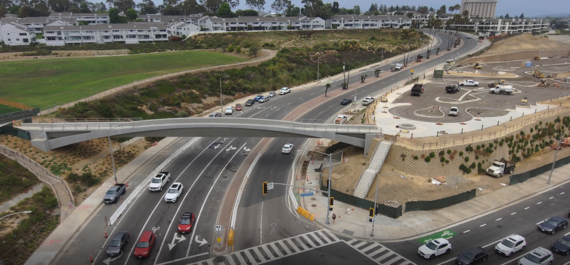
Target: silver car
x=271, y=94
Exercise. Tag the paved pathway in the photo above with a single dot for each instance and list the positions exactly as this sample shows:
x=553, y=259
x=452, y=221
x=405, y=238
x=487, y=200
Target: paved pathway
x=6, y=206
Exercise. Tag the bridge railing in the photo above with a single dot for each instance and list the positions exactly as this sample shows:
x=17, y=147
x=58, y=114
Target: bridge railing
x=105, y=120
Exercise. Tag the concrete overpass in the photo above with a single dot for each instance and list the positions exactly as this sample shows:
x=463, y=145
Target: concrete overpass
x=47, y=136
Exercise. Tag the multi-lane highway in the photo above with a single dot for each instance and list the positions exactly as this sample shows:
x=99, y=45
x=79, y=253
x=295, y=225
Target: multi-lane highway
x=206, y=169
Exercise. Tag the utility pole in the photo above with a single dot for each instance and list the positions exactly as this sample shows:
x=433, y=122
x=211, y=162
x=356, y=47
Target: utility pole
x=221, y=96
x=318, y=68
x=554, y=161
x=343, y=72
x=112, y=160
x=376, y=196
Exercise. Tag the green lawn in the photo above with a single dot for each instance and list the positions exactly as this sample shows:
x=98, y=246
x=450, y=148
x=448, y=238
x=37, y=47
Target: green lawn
x=7, y=109
x=40, y=83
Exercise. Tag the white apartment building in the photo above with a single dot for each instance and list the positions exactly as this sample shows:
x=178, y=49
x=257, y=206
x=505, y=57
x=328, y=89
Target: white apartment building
x=501, y=25
x=260, y=23
x=14, y=34
x=37, y=24
x=479, y=8
x=368, y=22
x=182, y=29
x=132, y=33
x=91, y=18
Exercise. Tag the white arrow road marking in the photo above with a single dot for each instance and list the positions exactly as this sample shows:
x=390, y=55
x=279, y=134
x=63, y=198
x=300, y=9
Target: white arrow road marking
x=217, y=146
x=246, y=149
x=202, y=242
x=154, y=229
x=108, y=260
x=175, y=239
x=231, y=148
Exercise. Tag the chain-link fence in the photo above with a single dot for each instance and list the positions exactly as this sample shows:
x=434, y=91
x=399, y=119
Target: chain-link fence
x=19, y=115
x=522, y=177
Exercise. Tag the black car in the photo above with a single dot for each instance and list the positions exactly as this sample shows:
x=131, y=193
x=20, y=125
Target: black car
x=346, y=101
x=562, y=246
x=553, y=224
x=474, y=255
x=249, y=102
x=215, y=115
x=118, y=243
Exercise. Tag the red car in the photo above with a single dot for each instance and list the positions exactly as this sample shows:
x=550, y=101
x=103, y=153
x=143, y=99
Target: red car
x=186, y=223
x=238, y=107
x=145, y=244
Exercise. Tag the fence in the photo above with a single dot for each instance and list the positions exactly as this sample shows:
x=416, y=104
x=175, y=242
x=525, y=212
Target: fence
x=441, y=203
x=10, y=130
x=18, y=115
x=522, y=177
x=13, y=104
x=42, y=173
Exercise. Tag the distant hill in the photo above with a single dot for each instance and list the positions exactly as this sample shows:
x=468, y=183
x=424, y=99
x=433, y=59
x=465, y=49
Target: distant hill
x=552, y=15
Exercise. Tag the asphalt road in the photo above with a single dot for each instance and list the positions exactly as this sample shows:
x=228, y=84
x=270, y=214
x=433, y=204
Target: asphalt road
x=205, y=169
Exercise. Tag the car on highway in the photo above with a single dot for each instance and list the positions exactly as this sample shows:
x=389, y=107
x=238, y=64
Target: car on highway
x=284, y=91
x=468, y=37
x=263, y=99
x=229, y=110
x=249, y=102
x=287, y=148
x=450, y=60
x=114, y=192
x=117, y=244
x=186, y=223
x=553, y=224
x=144, y=245
x=562, y=246
x=471, y=256
x=158, y=182
x=215, y=115
x=510, y=245
x=238, y=107
x=258, y=97
x=271, y=94
x=469, y=83
x=434, y=248
x=453, y=111
x=174, y=192
x=538, y=256
x=345, y=101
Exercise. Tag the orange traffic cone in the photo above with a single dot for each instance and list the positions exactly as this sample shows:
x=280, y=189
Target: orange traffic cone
x=106, y=233
x=126, y=184
x=91, y=258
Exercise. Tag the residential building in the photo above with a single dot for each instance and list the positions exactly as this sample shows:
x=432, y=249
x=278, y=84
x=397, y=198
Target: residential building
x=368, y=22
x=132, y=33
x=260, y=23
x=505, y=25
x=181, y=29
x=479, y=8
x=89, y=18
x=37, y=24
x=14, y=34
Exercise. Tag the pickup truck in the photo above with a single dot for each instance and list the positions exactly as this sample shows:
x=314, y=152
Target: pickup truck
x=158, y=182
x=452, y=89
x=501, y=167
x=367, y=101
x=340, y=119
x=417, y=89
x=398, y=67
x=501, y=89
x=114, y=192
x=469, y=83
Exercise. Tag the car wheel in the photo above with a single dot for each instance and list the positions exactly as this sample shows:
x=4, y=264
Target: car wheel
x=484, y=259
x=550, y=262
x=564, y=227
x=567, y=252
x=552, y=232
x=160, y=189
x=447, y=251
x=431, y=257
x=510, y=254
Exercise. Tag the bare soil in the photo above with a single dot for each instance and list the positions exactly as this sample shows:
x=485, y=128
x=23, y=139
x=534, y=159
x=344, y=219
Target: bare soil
x=345, y=175
x=525, y=42
x=11, y=56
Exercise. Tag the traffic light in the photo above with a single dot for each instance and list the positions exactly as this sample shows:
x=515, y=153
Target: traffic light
x=371, y=212
x=331, y=201
x=265, y=188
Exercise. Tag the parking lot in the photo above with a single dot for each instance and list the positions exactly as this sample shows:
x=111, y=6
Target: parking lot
x=434, y=103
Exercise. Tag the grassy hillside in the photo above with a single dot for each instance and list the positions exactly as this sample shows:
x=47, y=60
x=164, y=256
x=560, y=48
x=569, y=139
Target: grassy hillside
x=7, y=109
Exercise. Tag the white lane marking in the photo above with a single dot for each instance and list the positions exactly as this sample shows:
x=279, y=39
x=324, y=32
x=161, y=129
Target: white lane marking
x=538, y=202
x=160, y=200
x=492, y=243
x=311, y=94
x=514, y=213
x=540, y=222
x=261, y=225
x=264, y=109
x=177, y=260
x=205, y=200
x=551, y=198
x=526, y=208
x=182, y=202
x=466, y=231
x=447, y=261
x=561, y=193
x=289, y=103
x=482, y=225
x=567, y=234
x=499, y=219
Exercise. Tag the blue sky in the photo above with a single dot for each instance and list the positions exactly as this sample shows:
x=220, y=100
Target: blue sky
x=512, y=7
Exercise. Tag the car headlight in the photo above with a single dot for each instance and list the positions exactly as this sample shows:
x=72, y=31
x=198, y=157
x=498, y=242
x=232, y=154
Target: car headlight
x=146, y=252
x=187, y=228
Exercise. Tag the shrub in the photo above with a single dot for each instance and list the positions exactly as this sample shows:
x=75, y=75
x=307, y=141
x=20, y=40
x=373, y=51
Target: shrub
x=416, y=157
x=477, y=157
x=491, y=145
x=469, y=148
x=448, y=151
x=432, y=154
x=231, y=48
x=427, y=159
x=238, y=49
x=478, y=147
x=442, y=159
x=466, y=159
x=441, y=153
x=473, y=165
x=181, y=114
x=447, y=161
x=461, y=153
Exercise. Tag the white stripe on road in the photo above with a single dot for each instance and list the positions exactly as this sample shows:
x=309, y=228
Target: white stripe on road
x=526, y=208
x=514, y=213
x=466, y=231
x=539, y=203
x=498, y=219
x=540, y=222
x=482, y=225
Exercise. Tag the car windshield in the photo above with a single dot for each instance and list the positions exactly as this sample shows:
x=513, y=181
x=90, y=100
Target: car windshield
x=532, y=258
x=564, y=242
x=508, y=243
x=142, y=245
x=172, y=190
x=185, y=221
x=552, y=222
x=431, y=245
x=115, y=243
x=469, y=255
x=157, y=180
x=111, y=192
x=453, y=109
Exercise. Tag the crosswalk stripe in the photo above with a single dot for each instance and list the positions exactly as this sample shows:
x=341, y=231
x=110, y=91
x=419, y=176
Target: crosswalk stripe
x=258, y=253
x=351, y=241
x=378, y=251
x=390, y=253
x=322, y=237
x=277, y=250
x=250, y=257
x=240, y=258
x=293, y=245
x=308, y=241
x=359, y=245
x=316, y=239
x=299, y=243
x=397, y=258
x=210, y=262
x=230, y=260
x=267, y=251
x=369, y=248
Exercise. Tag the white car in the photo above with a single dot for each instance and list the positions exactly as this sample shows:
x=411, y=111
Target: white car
x=511, y=244
x=229, y=110
x=469, y=83
x=367, y=101
x=453, y=111
x=174, y=192
x=450, y=60
x=433, y=248
x=159, y=181
x=287, y=148
x=539, y=256
x=284, y=91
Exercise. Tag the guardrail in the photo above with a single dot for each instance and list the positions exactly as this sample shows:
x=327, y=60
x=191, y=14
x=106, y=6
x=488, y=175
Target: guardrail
x=19, y=115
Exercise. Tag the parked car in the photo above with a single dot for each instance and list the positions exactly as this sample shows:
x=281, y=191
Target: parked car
x=117, y=244
x=472, y=256
x=271, y=94
x=186, y=223
x=215, y=115
x=284, y=91
x=418, y=89
x=249, y=102
x=346, y=101
x=562, y=246
x=287, y=148
x=229, y=110
x=539, y=256
x=553, y=224
x=263, y=99
x=340, y=119
x=511, y=244
x=158, y=182
x=469, y=83
x=238, y=107
x=114, y=192
x=434, y=248
x=452, y=89
x=258, y=97
x=174, y=192
x=453, y=111
x=144, y=245
x=450, y=60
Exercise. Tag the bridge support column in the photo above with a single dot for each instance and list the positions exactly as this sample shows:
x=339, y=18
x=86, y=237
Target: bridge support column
x=40, y=140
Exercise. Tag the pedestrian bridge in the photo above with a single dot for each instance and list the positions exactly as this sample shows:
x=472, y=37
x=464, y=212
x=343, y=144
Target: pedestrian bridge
x=47, y=136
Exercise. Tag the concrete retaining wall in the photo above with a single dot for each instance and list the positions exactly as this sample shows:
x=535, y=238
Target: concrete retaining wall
x=512, y=56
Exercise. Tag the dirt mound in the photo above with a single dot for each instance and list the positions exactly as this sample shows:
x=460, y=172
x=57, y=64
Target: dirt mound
x=525, y=42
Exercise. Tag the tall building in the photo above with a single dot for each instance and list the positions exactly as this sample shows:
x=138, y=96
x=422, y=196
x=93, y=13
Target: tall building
x=479, y=8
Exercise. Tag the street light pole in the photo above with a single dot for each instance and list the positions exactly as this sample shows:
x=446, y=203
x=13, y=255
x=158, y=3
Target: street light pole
x=328, y=185
x=221, y=99
x=554, y=161
x=343, y=73
x=376, y=196
x=318, y=68
x=112, y=159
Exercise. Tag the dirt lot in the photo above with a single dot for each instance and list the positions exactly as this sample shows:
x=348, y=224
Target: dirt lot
x=524, y=42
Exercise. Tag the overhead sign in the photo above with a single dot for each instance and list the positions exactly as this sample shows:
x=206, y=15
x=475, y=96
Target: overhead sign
x=307, y=194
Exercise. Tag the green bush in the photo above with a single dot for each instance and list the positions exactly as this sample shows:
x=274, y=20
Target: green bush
x=473, y=165
x=476, y=157
x=469, y=148
x=441, y=153
x=466, y=159
x=416, y=157
x=478, y=147
x=181, y=114
x=460, y=153
x=442, y=159
x=447, y=161
x=427, y=159
x=448, y=151
x=432, y=154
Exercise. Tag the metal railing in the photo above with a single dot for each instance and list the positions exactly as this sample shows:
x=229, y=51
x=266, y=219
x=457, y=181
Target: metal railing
x=19, y=115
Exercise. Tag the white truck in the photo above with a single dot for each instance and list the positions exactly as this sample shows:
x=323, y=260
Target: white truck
x=501, y=167
x=398, y=67
x=469, y=83
x=158, y=182
x=367, y=101
x=502, y=89
x=453, y=111
x=340, y=119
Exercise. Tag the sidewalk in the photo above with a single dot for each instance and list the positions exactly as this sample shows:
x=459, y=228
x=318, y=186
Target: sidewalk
x=419, y=223
x=6, y=206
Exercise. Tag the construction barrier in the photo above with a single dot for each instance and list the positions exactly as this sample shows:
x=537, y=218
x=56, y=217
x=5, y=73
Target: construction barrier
x=231, y=237
x=305, y=213
x=441, y=203
x=522, y=177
